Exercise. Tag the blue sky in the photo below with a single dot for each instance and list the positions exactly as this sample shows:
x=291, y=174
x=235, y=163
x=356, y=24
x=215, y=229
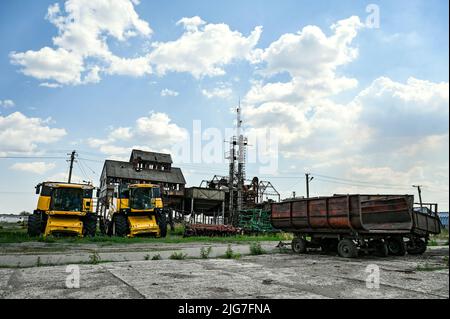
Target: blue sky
x=370, y=139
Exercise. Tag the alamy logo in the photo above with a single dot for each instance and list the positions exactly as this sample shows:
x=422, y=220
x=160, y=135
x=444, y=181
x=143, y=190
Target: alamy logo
x=373, y=277
x=373, y=19
x=73, y=279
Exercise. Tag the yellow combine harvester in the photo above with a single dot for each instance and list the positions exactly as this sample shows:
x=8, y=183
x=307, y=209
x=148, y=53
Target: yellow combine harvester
x=137, y=210
x=63, y=208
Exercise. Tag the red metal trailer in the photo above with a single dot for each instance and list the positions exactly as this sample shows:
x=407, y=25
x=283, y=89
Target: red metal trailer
x=357, y=223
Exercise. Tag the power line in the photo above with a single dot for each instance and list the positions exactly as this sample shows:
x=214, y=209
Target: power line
x=85, y=165
x=12, y=192
x=358, y=185
x=32, y=157
x=91, y=160
x=356, y=181
x=82, y=171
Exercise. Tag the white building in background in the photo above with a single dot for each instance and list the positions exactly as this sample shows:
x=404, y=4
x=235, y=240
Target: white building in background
x=13, y=218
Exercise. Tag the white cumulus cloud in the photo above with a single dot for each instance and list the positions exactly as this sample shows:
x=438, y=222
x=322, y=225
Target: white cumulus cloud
x=22, y=134
x=7, y=103
x=203, y=49
x=155, y=132
x=223, y=91
x=167, y=92
x=34, y=167
x=81, y=48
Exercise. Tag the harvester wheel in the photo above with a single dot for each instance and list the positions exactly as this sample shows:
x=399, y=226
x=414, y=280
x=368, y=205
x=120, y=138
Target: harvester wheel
x=120, y=225
x=298, y=245
x=396, y=246
x=34, y=225
x=90, y=225
x=162, y=223
x=347, y=248
x=416, y=246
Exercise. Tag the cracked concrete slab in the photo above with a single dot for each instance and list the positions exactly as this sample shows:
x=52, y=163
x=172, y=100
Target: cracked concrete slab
x=275, y=275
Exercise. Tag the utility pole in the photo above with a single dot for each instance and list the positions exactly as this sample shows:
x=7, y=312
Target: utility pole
x=419, y=190
x=308, y=179
x=72, y=159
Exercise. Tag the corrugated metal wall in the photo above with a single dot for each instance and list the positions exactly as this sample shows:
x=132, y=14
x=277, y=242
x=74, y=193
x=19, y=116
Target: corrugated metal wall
x=444, y=219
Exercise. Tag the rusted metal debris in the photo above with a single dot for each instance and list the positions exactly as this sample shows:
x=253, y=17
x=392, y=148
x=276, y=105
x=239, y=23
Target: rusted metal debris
x=210, y=230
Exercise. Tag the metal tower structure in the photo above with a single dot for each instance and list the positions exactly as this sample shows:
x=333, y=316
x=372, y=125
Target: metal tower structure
x=237, y=157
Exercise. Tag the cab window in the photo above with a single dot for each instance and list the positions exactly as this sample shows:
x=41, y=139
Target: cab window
x=46, y=190
x=156, y=192
x=87, y=193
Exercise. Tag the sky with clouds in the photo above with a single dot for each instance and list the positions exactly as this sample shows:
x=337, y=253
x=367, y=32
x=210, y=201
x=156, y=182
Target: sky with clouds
x=364, y=107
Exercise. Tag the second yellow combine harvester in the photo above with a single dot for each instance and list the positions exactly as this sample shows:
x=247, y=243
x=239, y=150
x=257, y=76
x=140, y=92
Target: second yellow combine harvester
x=137, y=210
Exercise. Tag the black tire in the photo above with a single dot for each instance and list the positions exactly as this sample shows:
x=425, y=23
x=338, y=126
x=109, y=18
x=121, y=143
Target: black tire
x=120, y=225
x=347, y=248
x=416, y=246
x=90, y=225
x=162, y=223
x=299, y=245
x=396, y=246
x=34, y=225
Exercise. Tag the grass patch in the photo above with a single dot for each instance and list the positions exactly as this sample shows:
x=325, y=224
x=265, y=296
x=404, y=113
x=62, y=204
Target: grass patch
x=432, y=242
x=178, y=231
x=256, y=249
x=442, y=236
x=205, y=252
x=146, y=257
x=12, y=233
x=19, y=266
x=230, y=254
x=94, y=258
x=156, y=257
x=21, y=237
x=14, y=237
x=428, y=267
x=178, y=256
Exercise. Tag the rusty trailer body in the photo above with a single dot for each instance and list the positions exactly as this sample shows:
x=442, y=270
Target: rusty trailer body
x=357, y=223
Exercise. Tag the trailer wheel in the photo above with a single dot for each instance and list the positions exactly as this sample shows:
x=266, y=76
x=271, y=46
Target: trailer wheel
x=90, y=225
x=34, y=225
x=347, y=248
x=299, y=245
x=416, y=246
x=120, y=225
x=396, y=246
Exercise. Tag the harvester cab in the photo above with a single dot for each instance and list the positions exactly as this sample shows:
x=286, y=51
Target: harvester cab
x=63, y=208
x=138, y=211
